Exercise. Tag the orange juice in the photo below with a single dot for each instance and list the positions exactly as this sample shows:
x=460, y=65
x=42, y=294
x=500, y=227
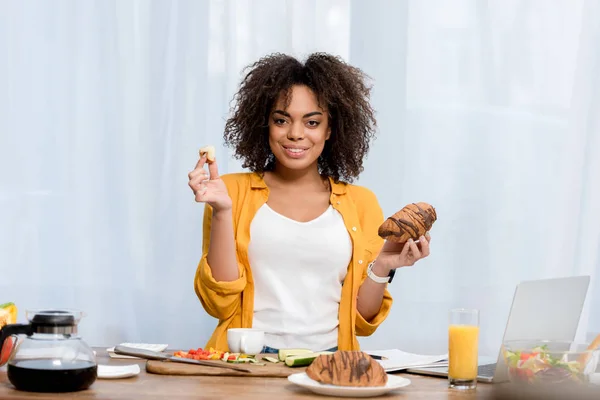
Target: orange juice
x=463, y=343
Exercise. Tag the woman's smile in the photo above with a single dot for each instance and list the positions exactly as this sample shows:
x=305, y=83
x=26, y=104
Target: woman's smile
x=294, y=151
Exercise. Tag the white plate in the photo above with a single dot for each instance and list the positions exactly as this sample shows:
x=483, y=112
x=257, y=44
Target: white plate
x=394, y=382
x=117, y=371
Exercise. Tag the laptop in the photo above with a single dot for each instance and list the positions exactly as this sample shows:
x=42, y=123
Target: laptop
x=547, y=309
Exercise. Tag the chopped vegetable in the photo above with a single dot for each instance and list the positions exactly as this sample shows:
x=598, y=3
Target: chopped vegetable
x=303, y=360
x=200, y=354
x=271, y=359
x=284, y=353
x=212, y=354
x=540, y=366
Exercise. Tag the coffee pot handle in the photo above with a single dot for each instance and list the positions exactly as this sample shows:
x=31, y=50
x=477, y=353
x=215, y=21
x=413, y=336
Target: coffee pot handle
x=12, y=330
x=15, y=329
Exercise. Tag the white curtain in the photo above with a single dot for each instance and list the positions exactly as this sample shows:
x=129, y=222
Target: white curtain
x=489, y=110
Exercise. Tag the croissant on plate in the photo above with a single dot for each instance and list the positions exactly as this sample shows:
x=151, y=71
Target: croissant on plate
x=347, y=368
x=413, y=221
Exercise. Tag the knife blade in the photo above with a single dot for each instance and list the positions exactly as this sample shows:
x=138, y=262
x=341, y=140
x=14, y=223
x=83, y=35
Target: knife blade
x=376, y=357
x=153, y=355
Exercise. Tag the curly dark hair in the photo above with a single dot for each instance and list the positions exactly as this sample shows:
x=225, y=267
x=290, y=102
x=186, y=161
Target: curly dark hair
x=339, y=86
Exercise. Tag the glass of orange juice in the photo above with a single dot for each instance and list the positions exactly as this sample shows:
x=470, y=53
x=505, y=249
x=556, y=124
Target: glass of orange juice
x=463, y=346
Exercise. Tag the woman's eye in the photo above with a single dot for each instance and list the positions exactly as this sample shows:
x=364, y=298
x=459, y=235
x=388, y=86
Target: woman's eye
x=313, y=124
x=279, y=121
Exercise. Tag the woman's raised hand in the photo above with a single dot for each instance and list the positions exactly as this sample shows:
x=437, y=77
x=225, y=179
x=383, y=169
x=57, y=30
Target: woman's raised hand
x=209, y=187
x=394, y=255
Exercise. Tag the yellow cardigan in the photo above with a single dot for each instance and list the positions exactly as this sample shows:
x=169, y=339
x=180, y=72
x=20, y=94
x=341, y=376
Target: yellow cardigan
x=232, y=303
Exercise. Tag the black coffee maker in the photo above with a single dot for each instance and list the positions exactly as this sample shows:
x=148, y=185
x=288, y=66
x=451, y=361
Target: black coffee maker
x=50, y=357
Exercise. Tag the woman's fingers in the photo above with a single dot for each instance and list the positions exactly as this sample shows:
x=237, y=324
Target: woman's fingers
x=213, y=170
x=405, y=250
x=403, y=256
x=393, y=247
x=198, y=175
x=198, y=178
x=201, y=162
x=195, y=173
x=199, y=169
x=416, y=254
x=196, y=182
x=424, y=245
x=202, y=194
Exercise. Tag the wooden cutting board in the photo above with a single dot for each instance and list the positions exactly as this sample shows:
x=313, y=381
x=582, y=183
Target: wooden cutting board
x=272, y=370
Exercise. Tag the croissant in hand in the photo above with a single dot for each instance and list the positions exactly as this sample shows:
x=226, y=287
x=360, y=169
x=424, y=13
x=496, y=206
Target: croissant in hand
x=347, y=368
x=413, y=221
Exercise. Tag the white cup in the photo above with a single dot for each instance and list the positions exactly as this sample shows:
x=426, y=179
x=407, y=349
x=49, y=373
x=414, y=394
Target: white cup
x=245, y=340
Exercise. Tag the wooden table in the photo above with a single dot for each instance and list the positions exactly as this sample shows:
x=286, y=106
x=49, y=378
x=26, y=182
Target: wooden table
x=151, y=386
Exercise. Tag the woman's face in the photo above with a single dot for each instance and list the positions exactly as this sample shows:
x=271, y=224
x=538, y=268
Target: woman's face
x=297, y=134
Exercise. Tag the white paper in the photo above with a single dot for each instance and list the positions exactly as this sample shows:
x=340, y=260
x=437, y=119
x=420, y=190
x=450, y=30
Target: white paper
x=398, y=360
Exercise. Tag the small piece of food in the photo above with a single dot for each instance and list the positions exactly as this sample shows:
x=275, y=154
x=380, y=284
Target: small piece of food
x=302, y=360
x=210, y=153
x=201, y=354
x=347, y=368
x=212, y=354
x=238, y=358
x=412, y=221
x=284, y=353
x=271, y=359
x=8, y=314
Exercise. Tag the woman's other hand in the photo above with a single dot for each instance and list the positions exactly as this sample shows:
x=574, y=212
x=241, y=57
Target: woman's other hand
x=209, y=188
x=395, y=255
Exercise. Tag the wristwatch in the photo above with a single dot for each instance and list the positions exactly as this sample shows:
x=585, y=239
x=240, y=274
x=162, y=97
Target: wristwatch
x=379, y=279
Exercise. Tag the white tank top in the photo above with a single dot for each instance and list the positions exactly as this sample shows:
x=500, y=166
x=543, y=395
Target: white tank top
x=298, y=270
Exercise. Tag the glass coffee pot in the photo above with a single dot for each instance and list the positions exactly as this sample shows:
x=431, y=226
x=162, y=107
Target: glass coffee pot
x=51, y=357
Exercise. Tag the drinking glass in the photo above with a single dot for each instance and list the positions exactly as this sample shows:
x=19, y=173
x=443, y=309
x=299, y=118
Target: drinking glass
x=463, y=346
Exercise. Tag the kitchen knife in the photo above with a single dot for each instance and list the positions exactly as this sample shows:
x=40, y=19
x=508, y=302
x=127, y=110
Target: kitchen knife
x=153, y=355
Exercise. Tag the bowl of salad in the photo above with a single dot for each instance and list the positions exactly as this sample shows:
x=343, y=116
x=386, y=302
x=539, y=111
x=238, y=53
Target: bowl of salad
x=549, y=361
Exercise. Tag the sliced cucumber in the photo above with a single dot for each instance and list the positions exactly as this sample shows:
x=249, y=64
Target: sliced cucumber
x=240, y=360
x=303, y=360
x=285, y=353
x=271, y=359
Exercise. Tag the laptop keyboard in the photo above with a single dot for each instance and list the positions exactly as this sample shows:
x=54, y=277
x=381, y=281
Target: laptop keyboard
x=486, y=370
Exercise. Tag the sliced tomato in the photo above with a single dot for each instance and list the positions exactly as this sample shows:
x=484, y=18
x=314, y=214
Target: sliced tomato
x=6, y=350
x=527, y=356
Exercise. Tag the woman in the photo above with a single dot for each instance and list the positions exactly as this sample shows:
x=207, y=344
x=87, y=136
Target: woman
x=287, y=247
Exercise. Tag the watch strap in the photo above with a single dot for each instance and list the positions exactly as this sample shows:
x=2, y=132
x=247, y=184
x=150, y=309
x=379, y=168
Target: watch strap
x=379, y=279
x=391, y=275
